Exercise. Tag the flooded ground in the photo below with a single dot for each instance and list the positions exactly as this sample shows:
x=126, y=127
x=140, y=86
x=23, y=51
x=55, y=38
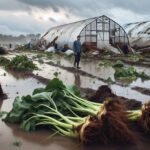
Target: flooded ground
x=90, y=76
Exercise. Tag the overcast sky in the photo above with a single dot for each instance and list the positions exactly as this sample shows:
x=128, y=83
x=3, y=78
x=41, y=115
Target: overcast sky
x=37, y=16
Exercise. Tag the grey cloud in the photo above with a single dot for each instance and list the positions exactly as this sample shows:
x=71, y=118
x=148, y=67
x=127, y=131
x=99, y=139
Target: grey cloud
x=91, y=7
x=80, y=8
x=13, y=5
x=84, y=8
x=52, y=19
x=67, y=16
x=21, y=24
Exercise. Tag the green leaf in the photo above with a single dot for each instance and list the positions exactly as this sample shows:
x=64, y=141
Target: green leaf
x=3, y=113
x=55, y=84
x=119, y=63
x=38, y=90
x=74, y=90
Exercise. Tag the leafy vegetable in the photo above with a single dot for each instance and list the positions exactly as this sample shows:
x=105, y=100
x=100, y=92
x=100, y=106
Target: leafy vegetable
x=129, y=73
x=3, y=113
x=17, y=143
x=61, y=110
x=118, y=64
x=134, y=57
x=21, y=63
x=104, y=63
x=55, y=95
x=4, y=61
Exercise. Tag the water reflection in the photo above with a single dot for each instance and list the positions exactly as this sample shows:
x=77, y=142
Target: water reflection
x=1, y=102
x=129, y=93
x=14, y=87
x=88, y=66
x=1, y=96
x=77, y=80
x=18, y=75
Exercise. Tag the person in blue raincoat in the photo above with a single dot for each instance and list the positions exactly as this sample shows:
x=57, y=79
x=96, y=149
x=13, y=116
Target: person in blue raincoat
x=77, y=47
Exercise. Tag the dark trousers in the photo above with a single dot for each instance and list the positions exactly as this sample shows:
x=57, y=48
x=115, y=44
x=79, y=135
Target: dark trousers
x=77, y=60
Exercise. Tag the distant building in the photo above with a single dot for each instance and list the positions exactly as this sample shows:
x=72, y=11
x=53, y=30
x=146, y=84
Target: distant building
x=97, y=31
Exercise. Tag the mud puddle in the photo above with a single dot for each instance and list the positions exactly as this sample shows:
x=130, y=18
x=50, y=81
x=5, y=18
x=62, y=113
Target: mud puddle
x=90, y=76
x=84, y=81
x=15, y=85
x=69, y=78
x=89, y=66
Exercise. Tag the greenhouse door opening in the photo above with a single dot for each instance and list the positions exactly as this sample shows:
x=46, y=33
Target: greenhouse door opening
x=102, y=39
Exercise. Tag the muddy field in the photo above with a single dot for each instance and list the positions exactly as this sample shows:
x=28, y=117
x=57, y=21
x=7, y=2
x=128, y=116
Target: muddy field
x=87, y=79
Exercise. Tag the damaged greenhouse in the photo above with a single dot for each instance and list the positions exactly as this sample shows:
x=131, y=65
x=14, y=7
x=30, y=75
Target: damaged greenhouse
x=95, y=33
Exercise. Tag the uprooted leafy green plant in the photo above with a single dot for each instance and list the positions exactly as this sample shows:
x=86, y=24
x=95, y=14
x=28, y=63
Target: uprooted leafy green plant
x=4, y=61
x=21, y=63
x=18, y=63
x=134, y=57
x=118, y=64
x=62, y=110
x=129, y=73
x=104, y=63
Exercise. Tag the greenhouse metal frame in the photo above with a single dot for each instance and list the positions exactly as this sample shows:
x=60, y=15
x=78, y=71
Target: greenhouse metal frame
x=98, y=31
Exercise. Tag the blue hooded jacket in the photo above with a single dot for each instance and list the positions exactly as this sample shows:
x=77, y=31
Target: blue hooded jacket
x=77, y=47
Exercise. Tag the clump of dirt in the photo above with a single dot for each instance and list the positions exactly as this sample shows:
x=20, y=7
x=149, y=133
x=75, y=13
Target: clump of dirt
x=108, y=127
x=142, y=90
x=2, y=51
x=1, y=91
x=104, y=92
x=2, y=94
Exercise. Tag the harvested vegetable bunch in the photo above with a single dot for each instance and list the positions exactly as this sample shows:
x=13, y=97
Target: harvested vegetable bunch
x=62, y=110
x=36, y=114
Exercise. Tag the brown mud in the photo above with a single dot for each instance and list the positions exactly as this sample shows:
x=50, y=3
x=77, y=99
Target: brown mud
x=43, y=139
x=104, y=92
x=2, y=94
x=142, y=90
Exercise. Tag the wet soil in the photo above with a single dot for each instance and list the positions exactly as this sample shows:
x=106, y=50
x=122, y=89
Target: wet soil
x=88, y=81
x=2, y=94
x=104, y=92
x=90, y=76
x=81, y=72
x=120, y=88
x=142, y=90
x=142, y=63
